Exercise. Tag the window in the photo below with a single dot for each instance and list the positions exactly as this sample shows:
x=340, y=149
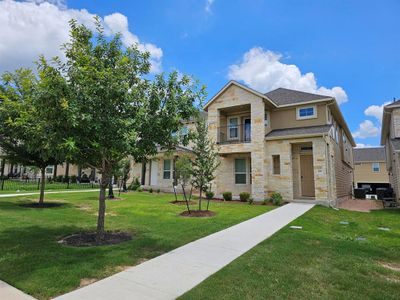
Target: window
x=266, y=120
x=240, y=171
x=49, y=169
x=233, y=128
x=376, y=167
x=276, y=164
x=306, y=112
x=184, y=131
x=167, y=169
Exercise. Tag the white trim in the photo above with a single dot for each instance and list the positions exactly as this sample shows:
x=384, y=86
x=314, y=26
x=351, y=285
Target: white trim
x=305, y=103
x=229, y=128
x=314, y=116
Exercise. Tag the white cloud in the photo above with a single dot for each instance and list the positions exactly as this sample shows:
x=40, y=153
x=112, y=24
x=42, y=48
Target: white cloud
x=36, y=27
x=209, y=3
x=361, y=145
x=262, y=70
x=366, y=129
x=375, y=111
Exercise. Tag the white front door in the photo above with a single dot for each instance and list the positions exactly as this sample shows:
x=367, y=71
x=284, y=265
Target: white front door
x=154, y=172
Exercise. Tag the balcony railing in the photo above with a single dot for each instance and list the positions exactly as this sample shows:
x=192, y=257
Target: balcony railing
x=234, y=134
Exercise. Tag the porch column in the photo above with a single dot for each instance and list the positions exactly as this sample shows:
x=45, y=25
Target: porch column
x=258, y=150
x=320, y=169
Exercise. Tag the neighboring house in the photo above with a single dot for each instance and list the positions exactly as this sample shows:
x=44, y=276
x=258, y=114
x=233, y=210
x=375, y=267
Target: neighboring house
x=390, y=138
x=370, y=168
x=283, y=141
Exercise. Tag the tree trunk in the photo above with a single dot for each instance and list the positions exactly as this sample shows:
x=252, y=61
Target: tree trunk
x=110, y=189
x=55, y=172
x=102, y=207
x=201, y=191
x=2, y=167
x=42, y=185
x=186, y=200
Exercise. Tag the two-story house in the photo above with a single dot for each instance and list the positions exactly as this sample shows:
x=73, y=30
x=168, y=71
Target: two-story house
x=283, y=141
x=370, y=168
x=390, y=138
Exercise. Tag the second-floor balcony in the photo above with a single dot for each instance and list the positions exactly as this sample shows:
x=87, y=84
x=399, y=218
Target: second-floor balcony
x=233, y=134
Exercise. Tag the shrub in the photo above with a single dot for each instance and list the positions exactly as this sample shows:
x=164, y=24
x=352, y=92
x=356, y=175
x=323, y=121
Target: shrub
x=209, y=195
x=244, y=196
x=73, y=178
x=265, y=201
x=158, y=191
x=227, y=196
x=140, y=189
x=251, y=201
x=276, y=198
x=150, y=190
x=134, y=185
x=59, y=178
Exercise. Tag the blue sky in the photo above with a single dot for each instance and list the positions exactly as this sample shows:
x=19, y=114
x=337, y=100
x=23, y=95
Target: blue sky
x=351, y=45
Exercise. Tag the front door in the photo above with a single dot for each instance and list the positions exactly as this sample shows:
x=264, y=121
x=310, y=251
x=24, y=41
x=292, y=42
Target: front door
x=247, y=130
x=307, y=176
x=154, y=172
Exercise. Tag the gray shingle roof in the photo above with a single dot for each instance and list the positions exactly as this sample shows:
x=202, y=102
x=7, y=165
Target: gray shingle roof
x=394, y=103
x=283, y=96
x=369, y=154
x=298, y=131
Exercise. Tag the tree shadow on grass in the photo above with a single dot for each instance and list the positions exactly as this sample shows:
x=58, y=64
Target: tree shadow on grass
x=28, y=204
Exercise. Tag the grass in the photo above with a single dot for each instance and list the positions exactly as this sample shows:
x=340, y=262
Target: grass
x=324, y=260
x=33, y=261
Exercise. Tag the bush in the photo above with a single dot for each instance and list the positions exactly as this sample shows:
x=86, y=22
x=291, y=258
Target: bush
x=265, y=201
x=150, y=190
x=59, y=178
x=276, y=198
x=227, y=196
x=73, y=178
x=134, y=185
x=244, y=196
x=158, y=191
x=209, y=195
x=251, y=201
x=140, y=189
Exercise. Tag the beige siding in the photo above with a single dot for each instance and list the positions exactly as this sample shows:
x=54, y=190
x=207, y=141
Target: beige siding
x=363, y=173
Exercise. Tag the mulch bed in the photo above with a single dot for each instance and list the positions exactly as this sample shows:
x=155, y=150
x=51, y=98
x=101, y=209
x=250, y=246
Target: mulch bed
x=43, y=205
x=182, y=202
x=88, y=239
x=198, y=214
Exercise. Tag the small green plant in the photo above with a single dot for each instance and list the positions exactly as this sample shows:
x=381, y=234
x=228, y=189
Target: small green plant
x=209, y=195
x=134, y=185
x=265, y=201
x=244, y=196
x=150, y=190
x=59, y=178
x=251, y=201
x=158, y=191
x=276, y=198
x=140, y=189
x=74, y=178
x=227, y=196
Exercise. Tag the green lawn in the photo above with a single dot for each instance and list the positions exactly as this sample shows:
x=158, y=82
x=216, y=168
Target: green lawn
x=324, y=260
x=33, y=261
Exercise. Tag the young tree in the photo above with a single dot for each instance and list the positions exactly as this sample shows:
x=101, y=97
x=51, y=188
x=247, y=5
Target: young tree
x=32, y=118
x=117, y=112
x=183, y=170
x=206, y=159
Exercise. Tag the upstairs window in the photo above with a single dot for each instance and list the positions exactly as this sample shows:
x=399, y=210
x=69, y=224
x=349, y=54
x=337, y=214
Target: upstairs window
x=266, y=121
x=233, y=128
x=306, y=112
x=167, y=169
x=376, y=167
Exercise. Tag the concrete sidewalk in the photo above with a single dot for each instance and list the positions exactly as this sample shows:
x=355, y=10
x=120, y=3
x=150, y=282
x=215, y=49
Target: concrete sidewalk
x=8, y=292
x=46, y=193
x=172, y=274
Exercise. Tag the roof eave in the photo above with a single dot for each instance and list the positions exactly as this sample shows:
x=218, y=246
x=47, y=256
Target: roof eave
x=296, y=136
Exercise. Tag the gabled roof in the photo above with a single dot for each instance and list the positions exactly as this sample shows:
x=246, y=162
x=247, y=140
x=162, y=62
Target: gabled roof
x=375, y=154
x=298, y=131
x=233, y=82
x=387, y=113
x=282, y=96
